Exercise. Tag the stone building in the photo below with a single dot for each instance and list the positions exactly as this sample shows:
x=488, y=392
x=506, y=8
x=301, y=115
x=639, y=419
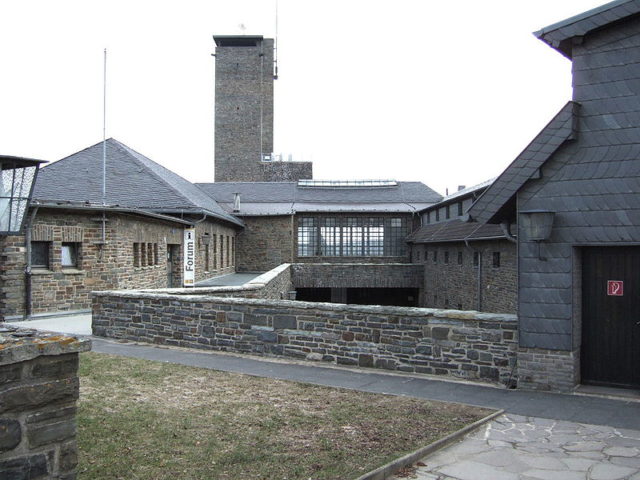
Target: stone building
x=467, y=266
x=574, y=194
x=74, y=244
x=245, y=71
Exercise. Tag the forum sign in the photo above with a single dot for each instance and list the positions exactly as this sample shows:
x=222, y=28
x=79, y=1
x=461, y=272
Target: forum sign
x=188, y=271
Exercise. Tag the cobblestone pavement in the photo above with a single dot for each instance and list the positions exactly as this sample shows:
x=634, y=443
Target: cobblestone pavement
x=514, y=447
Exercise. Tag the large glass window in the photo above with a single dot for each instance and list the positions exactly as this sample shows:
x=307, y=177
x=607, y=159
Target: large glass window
x=351, y=236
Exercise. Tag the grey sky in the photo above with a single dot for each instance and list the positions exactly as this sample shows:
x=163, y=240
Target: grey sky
x=443, y=92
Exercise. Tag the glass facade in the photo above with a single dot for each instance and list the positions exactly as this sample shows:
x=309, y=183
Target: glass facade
x=352, y=237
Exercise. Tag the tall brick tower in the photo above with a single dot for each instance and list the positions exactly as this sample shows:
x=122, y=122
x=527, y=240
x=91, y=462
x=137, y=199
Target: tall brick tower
x=244, y=113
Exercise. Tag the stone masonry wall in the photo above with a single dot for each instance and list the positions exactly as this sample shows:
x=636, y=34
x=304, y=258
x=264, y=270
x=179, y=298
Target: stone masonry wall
x=287, y=171
x=540, y=369
x=450, y=284
x=356, y=275
x=265, y=243
x=466, y=345
x=274, y=284
x=38, y=392
x=101, y=266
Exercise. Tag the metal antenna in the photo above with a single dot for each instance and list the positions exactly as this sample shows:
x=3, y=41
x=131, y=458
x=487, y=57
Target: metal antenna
x=104, y=131
x=275, y=48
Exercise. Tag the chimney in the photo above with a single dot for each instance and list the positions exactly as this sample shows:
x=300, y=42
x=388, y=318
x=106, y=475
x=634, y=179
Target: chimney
x=236, y=202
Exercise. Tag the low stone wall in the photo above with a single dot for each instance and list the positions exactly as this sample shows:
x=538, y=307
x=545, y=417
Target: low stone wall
x=38, y=392
x=555, y=370
x=467, y=345
x=357, y=275
x=274, y=284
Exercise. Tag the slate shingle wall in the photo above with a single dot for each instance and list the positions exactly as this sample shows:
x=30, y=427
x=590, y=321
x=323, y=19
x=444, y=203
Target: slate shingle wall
x=592, y=184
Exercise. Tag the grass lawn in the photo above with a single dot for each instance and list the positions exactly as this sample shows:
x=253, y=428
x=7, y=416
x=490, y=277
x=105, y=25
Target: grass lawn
x=140, y=419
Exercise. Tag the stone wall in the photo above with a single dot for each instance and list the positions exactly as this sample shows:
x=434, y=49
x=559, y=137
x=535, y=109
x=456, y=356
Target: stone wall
x=274, y=284
x=101, y=266
x=450, y=284
x=265, y=243
x=38, y=392
x=357, y=275
x=540, y=369
x=468, y=345
x=287, y=171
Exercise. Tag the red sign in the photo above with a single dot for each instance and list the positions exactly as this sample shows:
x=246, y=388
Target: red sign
x=615, y=288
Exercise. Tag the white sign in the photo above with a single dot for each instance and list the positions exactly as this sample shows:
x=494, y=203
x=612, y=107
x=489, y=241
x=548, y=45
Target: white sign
x=188, y=271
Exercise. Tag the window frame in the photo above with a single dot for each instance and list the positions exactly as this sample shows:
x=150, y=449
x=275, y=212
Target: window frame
x=74, y=248
x=47, y=246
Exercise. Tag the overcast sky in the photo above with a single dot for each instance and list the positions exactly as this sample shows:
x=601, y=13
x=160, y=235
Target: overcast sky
x=444, y=92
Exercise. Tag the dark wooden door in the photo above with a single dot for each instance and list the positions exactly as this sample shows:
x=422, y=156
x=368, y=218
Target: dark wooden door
x=610, y=353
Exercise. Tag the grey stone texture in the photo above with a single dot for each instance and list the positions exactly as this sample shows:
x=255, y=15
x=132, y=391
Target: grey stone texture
x=467, y=345
x=357, y=275
x=244, y=117
x=514, y=447
x=38, y=404
x=449, y=284
x=102, y=267
x=265, y=243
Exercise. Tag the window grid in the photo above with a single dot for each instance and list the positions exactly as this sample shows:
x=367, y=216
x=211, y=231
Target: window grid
x=351, y=236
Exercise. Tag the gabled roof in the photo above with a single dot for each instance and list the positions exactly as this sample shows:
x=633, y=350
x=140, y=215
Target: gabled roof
x=560, y=35
x=462, y=194
x=499, y=198
x=133, y=181
x=285, y=198
x=455, y=231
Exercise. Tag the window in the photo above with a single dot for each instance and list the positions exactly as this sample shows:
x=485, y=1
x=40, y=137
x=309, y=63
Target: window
x=228, y=251
x=69, y=257
x=437, y=215
x=417, y=255
x=206, y=257
x=428, y=217
x=476, y=259
x=215, y=251
x=496, y=259
x=222, y=251
x=459, y=209
x=459, y=258
x=40, y=254
x=447, y=212
x=351, y=236
x=145, y=254
x=233, y=251
x=446, y=257
x=435, y=256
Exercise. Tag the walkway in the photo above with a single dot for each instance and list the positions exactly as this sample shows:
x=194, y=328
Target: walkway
x=230, y=280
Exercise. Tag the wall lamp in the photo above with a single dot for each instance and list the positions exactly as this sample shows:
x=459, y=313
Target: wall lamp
x=536, y=226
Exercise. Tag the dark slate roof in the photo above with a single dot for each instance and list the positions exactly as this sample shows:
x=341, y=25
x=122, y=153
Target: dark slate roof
x=455, y=231
x=463, y=194
x=133, y=181
x=285, y=198
x=499, y=198
x=560, y=35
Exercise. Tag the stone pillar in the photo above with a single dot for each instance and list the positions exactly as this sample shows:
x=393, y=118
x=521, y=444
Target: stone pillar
x=39, y=388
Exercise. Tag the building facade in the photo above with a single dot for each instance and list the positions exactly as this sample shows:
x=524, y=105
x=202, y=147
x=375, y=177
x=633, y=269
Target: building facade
x=245, y=71
x=577, y=283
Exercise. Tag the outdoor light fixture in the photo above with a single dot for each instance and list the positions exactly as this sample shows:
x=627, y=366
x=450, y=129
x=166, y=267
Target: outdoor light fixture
x=536, y=226
x=17, y=178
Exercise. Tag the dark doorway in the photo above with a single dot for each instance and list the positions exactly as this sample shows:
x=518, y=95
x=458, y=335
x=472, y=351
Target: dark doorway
x=399, y=297
x=313, y=294
x=173, y=266
x=610, y=353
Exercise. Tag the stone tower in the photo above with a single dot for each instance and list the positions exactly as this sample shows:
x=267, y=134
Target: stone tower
x=244, y=113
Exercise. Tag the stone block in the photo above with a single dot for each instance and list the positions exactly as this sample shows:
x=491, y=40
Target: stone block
x=365, y=360
x=281, y=322
x=25, y=468
x=10, y=434
x=489, y=373
x=44, y=434
x=267, y=336
x=68, y=459
x=440, y=333
x=27, y=396
x=10, y=373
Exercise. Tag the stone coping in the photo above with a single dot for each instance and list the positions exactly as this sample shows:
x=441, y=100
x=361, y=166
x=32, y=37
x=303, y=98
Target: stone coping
x=256, y=284
x=22, y=344
x=461, y=315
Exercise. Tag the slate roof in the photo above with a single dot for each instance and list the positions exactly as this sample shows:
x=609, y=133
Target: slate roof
x=499, y=198
x=286, y=198
x=455, y=231
x=133, y=181
x=560, y=35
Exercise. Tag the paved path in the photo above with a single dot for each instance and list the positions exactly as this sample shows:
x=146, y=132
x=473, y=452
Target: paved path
x=513, y=447
x=575, y=408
